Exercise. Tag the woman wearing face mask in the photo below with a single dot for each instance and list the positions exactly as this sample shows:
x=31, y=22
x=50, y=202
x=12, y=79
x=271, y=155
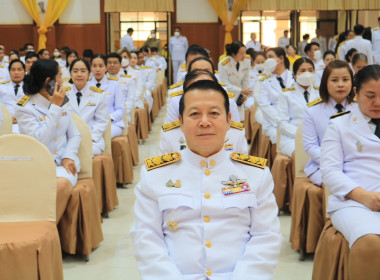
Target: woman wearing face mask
x=269, y=88
x=44, y=116
x=89, y=102
x=124, y=53
x=56, y=54
x=70, y=57
x=350, y=170
x=234, y=72
x=337, y=96
x=110, y=89
x=293, y=103
x=137, y=75
x=256, y=72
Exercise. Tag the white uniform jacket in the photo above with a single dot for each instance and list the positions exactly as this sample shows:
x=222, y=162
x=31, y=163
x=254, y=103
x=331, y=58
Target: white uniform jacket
x=127, y=42
x=350, y=158
x=376, y=44
x=178, y=47
x=10, y=99
x=186, y=228
x=138, y=76
x=93, y=109
x=291, y=107
x=314, y=126
x=52, y=126
x=362, y=45
x=115, y=99
x=173, y=139
x=4, y=74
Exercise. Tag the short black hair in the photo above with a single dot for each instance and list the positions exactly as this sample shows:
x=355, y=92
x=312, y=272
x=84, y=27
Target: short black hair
x=154, y=49
x=234, y=47
x=358, y=29
x=205, y=85
x=113, y=55
x=129, y=30
x=192, y=75
x=370, y=72
x=14, y=61
x=145, y=49
x=327, y=53
x=101, y=56
x=28, y=44
x=86, y=63
x=306, y=36
x=359, y=56
x=308, y=46
x=301, y=61
x=349, y=53
x=40, y=70
x=68, y=53
x=196, y=49
x=202, y=58
x=40, y=52
x=280, y=52
x=30, y=55
x=250, y=52
x=88, y=53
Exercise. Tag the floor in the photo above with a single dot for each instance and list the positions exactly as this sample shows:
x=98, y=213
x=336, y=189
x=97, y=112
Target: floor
x=113, y=259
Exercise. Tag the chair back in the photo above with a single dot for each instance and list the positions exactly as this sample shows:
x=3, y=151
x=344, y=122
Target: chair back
x=325, y=200
x=85, y=148
x=125, y=120
x=278, y=150
x=28, y=184
x=301, y=157
x=107, y=139
x=6, y=123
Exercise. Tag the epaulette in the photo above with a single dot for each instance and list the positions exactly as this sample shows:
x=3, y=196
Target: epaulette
x=339, y=114
x=225, y=61
x=237, y=125
x=96, y=89
x=126, y=76
x=145, y=67
x=23, y=100
x=216, y=72
x=222, y=84
x=176, y=93
x=90, y=79
x=250, y=160
x=247, y=56
x=230, y=95
x=113, y=78
x=264, y=78
x=176, y=85
x=1, y=66
x=67, y=88
x=288, y=89
x=260, y=74
x=183, y=71
x=155, y=162
x=375, y=29
x=182, y=66
x=314, y=102
x=316, y=88
x=5, y=82
x=170, y=126
x=7, y=61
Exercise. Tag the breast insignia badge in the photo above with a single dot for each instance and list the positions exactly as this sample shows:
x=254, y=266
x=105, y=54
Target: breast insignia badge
x=235, y=185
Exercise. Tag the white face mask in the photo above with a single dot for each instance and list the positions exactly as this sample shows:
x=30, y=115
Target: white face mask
x=259, y=67
x=306, y=79
x=176, y=34
x=124, y=62
x=317, y=55
x=270, y=65
x=153, y=36
x=57, y=53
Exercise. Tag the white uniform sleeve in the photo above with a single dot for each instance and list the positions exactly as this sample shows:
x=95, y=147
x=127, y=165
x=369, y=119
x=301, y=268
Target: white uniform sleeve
x=242, y=146
x=262, y=98
x=235, y=116
x=284, y=124
x=148, y=240
x=101, y=119
x=173, y=110
x=263, y=249
x=310, y=138
x=119, y=107
x=332, y=159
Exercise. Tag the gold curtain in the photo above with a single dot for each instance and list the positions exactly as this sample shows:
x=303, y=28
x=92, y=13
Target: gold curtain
x=118, y=6
x=221, y=11
x=54, y=10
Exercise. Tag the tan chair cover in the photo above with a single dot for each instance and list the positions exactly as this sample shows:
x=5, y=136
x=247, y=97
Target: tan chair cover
x=267, y=150
x=107, y=139
x=29, y=242
x=122, y=159
x=146, y=107
x=247, y=124
x=64, y=189
x=132, y=138
x=156, y=106
x=164, y=90
x=6, y=124
x=331, y=255
x=141, y=123
x=256, y=133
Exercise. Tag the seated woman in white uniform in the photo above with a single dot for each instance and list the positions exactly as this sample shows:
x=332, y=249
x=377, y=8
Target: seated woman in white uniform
x=350, y=163
x=70, y=57
x=110, y=88
x=89, y=102
x=269, y=88
x=293, y=102
x=337, y=95
x=43, y=115
x=199, y=63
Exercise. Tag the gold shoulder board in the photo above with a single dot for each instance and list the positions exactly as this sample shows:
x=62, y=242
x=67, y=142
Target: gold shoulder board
x=264, y=78
x=67, y=88
x=146, y=67
x=96, y=89
x=222, y=84
x=375, y=29
x=113, y=78
x=315, y=87
x=5, y=82
x=183, y=66
x=23, y=100
x=314, y=102
x=260, y=74
x=1, y=66
x=126, y=76
x=170, y=126
x=183, y=71
x=225, y=61
x=250, y=160
x=237, y=125
x=176, y=93
x=247, y=56
x=155, y=162
x=176, y=85
x=288, y=89
x=231, y=95
x=339, y=114
x=216, y=72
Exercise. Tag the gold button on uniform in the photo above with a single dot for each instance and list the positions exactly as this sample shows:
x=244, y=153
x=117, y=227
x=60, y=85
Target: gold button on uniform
x=207, y=195
x=206, y=219
x=212, y=163
x=208, y=272
x=354, y=119
x=208, y=244
x=56, y=153
x=207, y=172
x=203, y=163
x=55, y=139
